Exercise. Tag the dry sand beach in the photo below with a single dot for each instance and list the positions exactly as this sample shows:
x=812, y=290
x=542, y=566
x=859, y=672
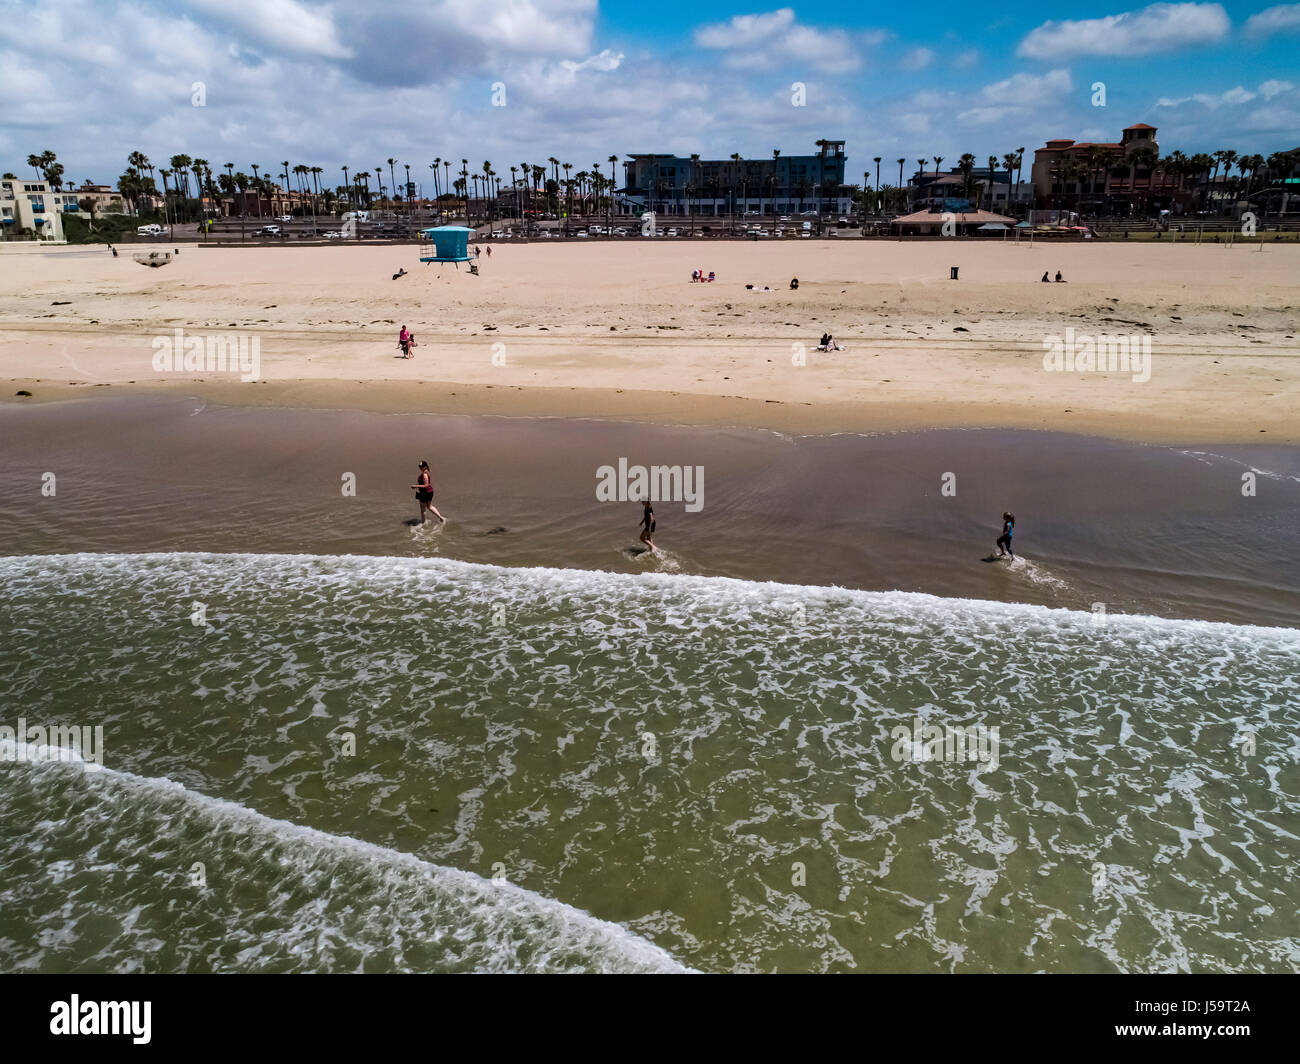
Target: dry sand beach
x=617, y=330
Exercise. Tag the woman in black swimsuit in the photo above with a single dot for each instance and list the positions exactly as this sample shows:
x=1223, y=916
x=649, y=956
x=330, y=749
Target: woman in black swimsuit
x=424, y=493
x=648, y=526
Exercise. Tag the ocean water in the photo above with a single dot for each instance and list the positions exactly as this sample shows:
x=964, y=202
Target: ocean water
x=379, y=763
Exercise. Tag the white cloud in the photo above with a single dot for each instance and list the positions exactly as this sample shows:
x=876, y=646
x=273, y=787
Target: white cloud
x=775, y=39
x=745, y=31
x=967, y=59
x=917, y=59
x=1285, y=18
x=1026, y=89
x=1158, y=28
x=1234, y=97
x=285, y=25
x=604, y=61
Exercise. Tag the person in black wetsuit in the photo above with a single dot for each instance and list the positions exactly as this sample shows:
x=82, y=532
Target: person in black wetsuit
x=648, y=525
x=1004, y=540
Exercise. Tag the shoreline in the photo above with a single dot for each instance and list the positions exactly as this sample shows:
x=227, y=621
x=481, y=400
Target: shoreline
x=866, y=511
x=675, y=409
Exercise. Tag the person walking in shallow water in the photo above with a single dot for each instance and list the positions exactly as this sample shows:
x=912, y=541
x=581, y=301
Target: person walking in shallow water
x=648, y=526
x=1004, y=540
x=424, y=493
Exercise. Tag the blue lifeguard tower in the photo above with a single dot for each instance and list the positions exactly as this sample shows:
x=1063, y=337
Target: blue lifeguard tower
x=445, y=243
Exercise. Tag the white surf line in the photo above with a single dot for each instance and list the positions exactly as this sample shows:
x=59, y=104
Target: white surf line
x=615, y=935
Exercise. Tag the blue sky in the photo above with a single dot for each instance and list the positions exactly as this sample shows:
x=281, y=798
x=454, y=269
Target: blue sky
x=353, y=83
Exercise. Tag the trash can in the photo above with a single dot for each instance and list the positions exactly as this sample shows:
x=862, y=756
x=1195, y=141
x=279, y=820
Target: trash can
x=952, y=273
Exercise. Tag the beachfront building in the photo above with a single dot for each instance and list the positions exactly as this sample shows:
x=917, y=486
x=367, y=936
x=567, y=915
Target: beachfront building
x=31, y=210
x=935, y=190
x=104, y=199
x=1116, y=178
x=781, y=185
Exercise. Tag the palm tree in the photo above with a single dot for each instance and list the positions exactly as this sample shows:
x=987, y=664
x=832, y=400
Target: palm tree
x=1139, y=158
x=1217, y=156
x=34, y=161
x=316, y=171
x=254, y=168
x=539, y=180
x=1201, y=163
x=199, y=167
x=391, y=175
x=776, y=165
x=609, y=214
x=735, y=169
x=1009, y=161
x=1229, y=159
x=165, y=174
x=180, y=168
x=966, y=164
x=1244, y=163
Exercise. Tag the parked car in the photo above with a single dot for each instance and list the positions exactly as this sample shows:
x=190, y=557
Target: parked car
x=333, y=234
x=807, y=214
x=806, y=235
x=152, y=229
x=784, y=218
x=286, y=218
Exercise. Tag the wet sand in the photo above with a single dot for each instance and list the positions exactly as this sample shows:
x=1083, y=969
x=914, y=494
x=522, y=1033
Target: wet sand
x=1141, y=528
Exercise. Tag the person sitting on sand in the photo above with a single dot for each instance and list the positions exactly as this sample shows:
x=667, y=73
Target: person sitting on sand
x=1004, y=540
x=794, y=283
x=401, y=272
x=424, y=493
x=1046, y=279
x=648, y=525
x=695, y=276
x=1059, y=278
x=711, y=275
x=823, y=342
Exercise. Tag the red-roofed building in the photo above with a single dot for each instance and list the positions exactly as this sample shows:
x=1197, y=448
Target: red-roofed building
x=1103, y=178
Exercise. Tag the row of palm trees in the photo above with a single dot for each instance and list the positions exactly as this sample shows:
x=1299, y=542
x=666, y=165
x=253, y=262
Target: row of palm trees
x=537, y=187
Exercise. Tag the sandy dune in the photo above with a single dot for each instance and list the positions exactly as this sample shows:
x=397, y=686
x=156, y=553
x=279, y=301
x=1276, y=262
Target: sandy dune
x=619, y=330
